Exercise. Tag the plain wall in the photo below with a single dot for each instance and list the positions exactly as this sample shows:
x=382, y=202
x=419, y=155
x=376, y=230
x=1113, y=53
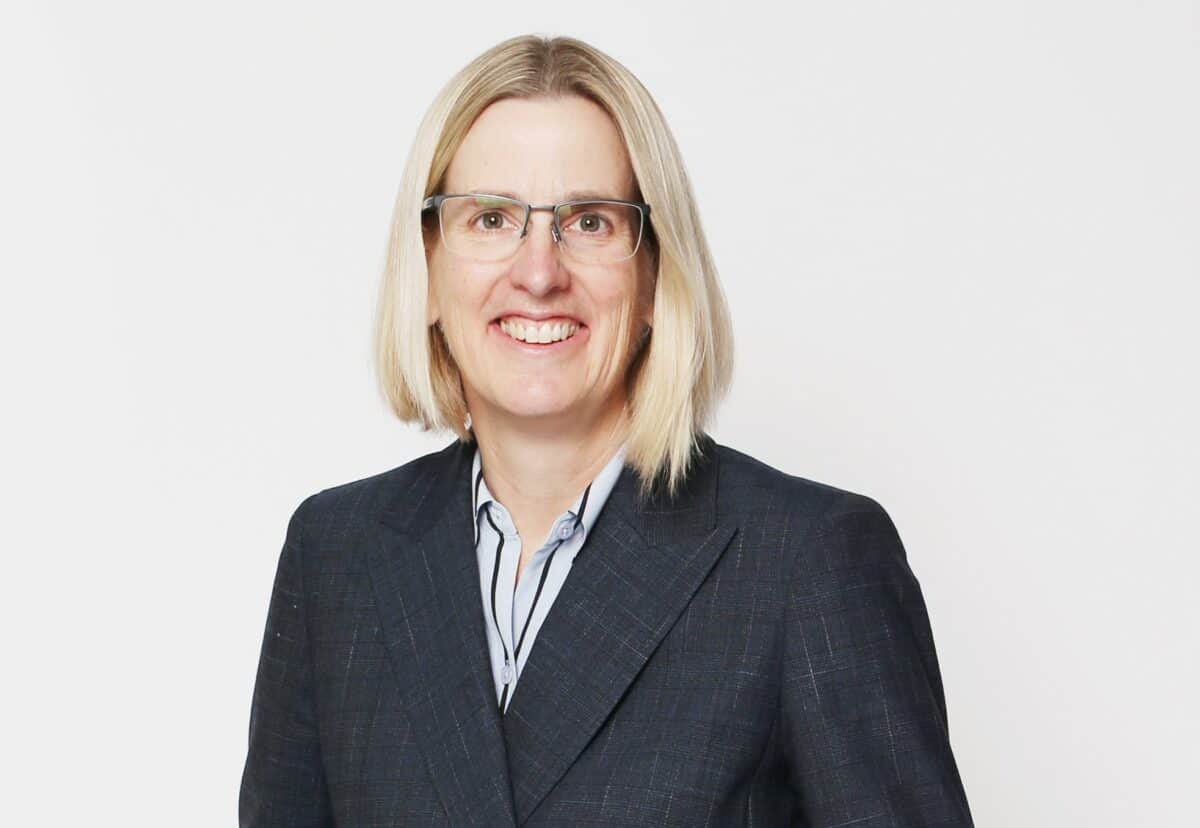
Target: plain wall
x=960, y=245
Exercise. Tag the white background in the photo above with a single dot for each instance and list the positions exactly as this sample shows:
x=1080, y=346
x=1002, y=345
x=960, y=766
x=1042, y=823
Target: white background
x=960, y=243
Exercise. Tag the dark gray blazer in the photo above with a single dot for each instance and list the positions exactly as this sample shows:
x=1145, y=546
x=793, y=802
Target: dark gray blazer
x=756, y=652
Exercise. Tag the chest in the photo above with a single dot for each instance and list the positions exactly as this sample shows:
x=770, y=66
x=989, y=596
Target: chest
x=689, y=737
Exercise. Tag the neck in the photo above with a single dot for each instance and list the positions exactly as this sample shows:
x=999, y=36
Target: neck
x=537, y=469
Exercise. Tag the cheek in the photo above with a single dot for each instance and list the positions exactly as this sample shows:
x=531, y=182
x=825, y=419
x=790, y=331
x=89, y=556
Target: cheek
x=622, y=312
x=459, y=293
x=618, y=295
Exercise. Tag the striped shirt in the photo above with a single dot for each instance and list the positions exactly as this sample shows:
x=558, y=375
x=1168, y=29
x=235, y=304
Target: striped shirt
x=513, y=616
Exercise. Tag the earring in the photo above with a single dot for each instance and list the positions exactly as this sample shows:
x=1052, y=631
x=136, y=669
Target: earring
x=467, y=422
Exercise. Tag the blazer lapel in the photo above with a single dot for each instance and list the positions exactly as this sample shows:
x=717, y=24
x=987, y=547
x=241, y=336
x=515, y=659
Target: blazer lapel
x=425, y=576
x=635, y=574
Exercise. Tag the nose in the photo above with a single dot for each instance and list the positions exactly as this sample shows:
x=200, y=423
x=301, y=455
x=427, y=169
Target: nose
x=538, y=267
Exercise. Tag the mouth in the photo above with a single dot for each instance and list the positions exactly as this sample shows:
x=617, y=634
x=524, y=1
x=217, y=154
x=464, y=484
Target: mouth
x=539, y=333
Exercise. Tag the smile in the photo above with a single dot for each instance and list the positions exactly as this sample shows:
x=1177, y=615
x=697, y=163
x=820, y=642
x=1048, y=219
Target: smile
x=541, y=333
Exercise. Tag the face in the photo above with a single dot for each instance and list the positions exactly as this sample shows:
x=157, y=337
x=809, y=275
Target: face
x=541, y=150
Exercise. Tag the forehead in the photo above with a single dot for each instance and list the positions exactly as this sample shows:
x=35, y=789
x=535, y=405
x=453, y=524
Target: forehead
x=540, y=149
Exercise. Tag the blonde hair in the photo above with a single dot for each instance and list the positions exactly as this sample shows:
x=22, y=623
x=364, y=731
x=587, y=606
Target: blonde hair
x=685, y=367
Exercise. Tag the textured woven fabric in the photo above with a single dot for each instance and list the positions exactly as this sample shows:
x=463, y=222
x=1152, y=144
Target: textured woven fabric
x=756, y=652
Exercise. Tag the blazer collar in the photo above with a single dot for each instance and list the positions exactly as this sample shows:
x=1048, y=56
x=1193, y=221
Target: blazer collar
x=635, y=574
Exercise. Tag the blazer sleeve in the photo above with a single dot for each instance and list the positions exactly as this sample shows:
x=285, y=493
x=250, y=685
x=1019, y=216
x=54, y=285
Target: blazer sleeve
x=863, y=713
x=283, y=783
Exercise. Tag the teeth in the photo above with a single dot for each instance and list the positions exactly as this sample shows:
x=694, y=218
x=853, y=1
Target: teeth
x=543, y=333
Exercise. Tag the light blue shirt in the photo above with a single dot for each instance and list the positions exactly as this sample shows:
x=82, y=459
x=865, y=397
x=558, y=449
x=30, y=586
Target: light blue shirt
x=510, y=635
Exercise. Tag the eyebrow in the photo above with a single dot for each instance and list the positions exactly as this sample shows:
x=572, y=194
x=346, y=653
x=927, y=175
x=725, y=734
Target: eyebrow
x=573, y=195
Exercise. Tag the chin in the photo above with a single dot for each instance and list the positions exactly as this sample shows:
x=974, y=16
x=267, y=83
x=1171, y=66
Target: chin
x=534, y=410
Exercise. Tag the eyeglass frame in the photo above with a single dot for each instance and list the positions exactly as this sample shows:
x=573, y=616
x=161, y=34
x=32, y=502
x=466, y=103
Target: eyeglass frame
x=434, y=202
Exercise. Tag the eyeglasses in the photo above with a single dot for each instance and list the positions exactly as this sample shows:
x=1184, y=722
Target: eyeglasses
x=490, y=228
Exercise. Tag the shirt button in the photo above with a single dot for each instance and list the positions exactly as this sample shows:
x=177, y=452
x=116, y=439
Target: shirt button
x=506, y=674
x=565, y=531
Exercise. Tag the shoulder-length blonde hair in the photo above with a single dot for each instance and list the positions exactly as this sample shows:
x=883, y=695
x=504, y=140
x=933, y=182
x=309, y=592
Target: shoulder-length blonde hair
x=686, y=365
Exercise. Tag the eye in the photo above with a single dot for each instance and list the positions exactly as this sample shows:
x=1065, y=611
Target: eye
x=489, y=220
x=592, y=223
x=588, y=220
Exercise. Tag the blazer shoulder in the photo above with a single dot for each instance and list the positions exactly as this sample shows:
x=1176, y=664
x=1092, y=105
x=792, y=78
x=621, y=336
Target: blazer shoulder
x=748, y=484
x=369, y=495
x=853, y=531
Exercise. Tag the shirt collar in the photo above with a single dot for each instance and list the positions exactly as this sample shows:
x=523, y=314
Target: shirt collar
x=583, y=511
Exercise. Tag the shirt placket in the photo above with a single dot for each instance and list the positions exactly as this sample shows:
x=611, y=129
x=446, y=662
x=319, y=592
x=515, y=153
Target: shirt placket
x=526, y=589
x=510, y=555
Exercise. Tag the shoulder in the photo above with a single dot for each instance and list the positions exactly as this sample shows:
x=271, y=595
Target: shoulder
x=747, y=481
x=370, y=496
x=792, y=510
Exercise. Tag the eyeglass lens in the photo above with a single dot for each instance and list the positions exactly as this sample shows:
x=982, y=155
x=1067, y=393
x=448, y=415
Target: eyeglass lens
x=489, y=228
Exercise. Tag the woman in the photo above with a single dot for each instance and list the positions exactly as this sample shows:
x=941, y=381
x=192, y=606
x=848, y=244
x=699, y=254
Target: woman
x=582, y=610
